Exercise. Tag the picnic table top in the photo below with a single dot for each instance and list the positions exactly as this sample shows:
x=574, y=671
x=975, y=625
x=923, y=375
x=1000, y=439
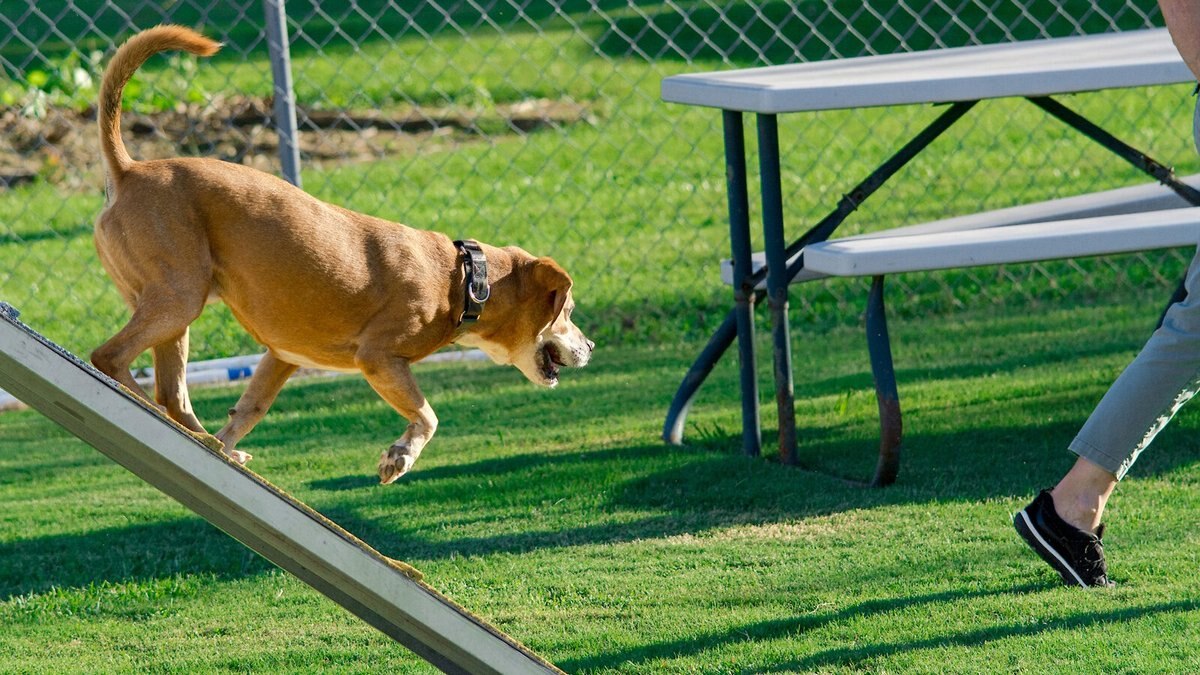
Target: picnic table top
x=1029, y=68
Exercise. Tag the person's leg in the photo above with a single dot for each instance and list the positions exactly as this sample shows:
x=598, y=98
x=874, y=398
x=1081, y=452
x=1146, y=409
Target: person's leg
x=1081, y=495
x=1140, y=403
x=1163, y=376
x=1063, y=525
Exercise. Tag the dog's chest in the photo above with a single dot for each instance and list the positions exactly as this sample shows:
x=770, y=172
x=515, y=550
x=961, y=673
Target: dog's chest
x=306, y=362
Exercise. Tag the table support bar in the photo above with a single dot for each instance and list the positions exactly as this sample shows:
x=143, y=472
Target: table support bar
x=856, y=196
x=1140, y=160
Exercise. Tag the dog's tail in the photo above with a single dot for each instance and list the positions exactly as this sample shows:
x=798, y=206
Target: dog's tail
x=128, y=59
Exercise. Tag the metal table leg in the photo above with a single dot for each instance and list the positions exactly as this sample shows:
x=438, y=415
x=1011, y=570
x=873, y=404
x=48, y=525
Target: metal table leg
x=740, y=321
x=777, y=282
x=891, y=426
x=743, y=276
x=717, y=344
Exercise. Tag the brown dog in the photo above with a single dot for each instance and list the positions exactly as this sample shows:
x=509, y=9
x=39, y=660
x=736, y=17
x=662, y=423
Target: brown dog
x=319, y=285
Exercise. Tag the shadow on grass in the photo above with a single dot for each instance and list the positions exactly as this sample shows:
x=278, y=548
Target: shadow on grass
x=489, y=395
x=688, y=491
x=28, y=473
x=649, y=490
x=157, y=550
x=975, y=638
x=784, y=628
x=760, y=32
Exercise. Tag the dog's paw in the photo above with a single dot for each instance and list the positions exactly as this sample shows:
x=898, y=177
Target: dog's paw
x=240, y=457
x=394, y=463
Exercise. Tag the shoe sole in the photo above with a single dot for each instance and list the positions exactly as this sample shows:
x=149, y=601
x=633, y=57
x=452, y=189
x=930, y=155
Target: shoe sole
x=1025, y=528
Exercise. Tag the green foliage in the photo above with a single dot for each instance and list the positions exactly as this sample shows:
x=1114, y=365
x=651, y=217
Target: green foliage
x=70, y=82
x=73, y=83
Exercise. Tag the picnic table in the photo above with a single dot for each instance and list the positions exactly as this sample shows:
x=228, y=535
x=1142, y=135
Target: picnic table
x=1036, y=70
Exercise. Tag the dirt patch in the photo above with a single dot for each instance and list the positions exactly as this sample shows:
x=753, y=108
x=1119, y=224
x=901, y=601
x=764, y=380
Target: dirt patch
x=61, y=147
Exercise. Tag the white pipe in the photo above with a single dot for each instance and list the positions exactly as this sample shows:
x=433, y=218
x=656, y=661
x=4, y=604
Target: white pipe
x=236, y=368
x=249, y=360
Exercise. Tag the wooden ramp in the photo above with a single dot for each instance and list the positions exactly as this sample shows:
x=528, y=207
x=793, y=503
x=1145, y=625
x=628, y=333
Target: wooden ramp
x=385, y=593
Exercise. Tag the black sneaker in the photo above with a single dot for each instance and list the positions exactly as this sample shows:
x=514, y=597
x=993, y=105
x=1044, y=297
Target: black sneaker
x=1078, y=555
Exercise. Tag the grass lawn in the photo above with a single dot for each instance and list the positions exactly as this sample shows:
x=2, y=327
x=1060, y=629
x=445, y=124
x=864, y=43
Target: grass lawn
x=560, y=517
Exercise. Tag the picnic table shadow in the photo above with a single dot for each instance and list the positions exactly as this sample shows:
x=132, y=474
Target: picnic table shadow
x=702, y=488
x=715, y=486
x=783, y=628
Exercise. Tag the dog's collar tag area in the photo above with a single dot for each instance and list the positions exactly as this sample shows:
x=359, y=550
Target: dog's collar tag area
x=475, y=269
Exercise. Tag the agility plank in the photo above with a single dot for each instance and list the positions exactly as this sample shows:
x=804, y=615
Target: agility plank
x=385, y=593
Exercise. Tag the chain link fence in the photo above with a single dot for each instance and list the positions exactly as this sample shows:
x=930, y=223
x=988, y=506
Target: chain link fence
x=538, y=123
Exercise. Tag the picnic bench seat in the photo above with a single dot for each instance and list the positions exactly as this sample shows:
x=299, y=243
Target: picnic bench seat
x=928, y=250
x=1133, y=199
x=1136, y=218
x=1035, y=242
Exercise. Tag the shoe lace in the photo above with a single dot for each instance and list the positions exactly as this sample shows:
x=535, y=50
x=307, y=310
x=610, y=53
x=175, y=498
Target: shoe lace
x=1091, y=559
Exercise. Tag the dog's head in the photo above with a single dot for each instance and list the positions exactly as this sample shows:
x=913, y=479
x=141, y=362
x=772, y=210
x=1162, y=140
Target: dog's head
x=531, y=327
x=552, y=339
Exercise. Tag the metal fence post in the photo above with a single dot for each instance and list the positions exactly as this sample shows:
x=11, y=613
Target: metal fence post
x=285, y=97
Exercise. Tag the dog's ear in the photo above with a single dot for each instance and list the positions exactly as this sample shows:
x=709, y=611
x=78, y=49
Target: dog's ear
x=551, y=284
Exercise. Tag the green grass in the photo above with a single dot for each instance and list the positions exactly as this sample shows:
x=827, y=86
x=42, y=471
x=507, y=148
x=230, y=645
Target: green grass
x=560, y=517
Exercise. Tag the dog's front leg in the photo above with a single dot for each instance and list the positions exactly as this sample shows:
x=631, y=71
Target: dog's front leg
x=264, y=386
x=392, y=379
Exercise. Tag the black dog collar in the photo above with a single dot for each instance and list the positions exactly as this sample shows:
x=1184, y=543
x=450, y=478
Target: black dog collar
x=475, y=270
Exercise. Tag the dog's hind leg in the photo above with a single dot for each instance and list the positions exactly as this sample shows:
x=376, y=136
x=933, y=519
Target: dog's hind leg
x=392, y=379
x=268, y=379
x=158, y=318
x=170, y=381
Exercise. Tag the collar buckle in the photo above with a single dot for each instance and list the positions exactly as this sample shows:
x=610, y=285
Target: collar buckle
x=478, y=290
